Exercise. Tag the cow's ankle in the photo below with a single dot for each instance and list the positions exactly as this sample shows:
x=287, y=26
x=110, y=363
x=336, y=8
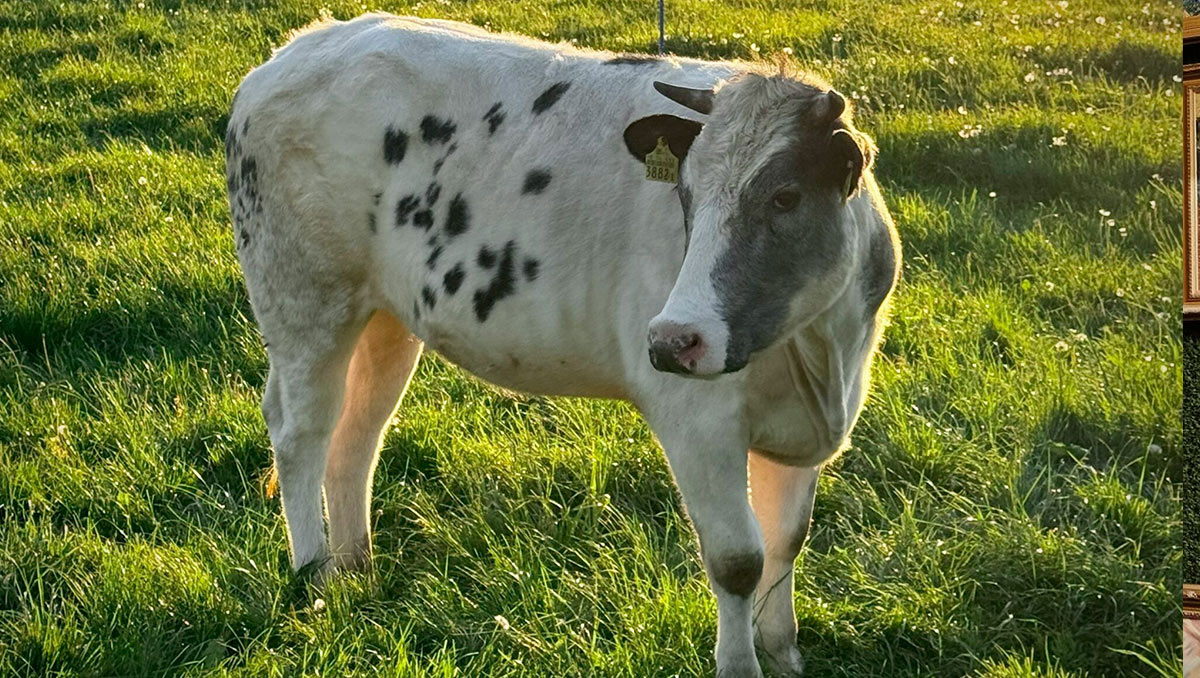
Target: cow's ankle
x=783, y=661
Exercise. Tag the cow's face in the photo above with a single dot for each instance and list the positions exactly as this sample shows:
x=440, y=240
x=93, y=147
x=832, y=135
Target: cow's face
x=764, y=190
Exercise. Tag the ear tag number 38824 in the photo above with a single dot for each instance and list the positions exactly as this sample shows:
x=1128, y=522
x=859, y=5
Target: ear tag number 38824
x=661, y=163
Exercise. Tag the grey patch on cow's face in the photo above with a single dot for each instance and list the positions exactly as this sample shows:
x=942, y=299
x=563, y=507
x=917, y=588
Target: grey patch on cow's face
x=395, y=145
x=536, y=181
x=494, y=117
x=634, y=60
x=405, y=207
x=486, y=258
x=458, y=216
x=550, y=97
x=453, y=279
x=423, y=219
x=436, y=131
x=772, y=254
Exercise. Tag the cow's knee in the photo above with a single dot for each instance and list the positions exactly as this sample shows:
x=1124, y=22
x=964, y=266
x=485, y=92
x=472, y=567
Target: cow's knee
x=737, y=571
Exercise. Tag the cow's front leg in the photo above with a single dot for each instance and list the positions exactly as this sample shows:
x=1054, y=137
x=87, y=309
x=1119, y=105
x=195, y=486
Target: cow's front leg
x=708, y=459
x=782, y=497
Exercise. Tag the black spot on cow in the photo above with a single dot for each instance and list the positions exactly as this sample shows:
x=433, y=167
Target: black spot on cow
x=231, y=141
x=428, y=296
x=634, y=60
x=243, y=238
x=434, y=254
x=501, y=286
x=250, y=173
x=416, y=310
x=493, y=117
x=435, y=130
x=404, y=209
x=423, y=219
x=395, y=145
x=432, y=193
x=241, y=180
x=531, y=269
x=536, y=181
x=486, y=258
x=550, y=97
x=246, y=126
x=371, y=225
x=437, y=166
x=454, y=278
x=458, y=217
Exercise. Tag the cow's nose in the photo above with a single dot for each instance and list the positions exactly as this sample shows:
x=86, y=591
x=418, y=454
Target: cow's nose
x=675, y=348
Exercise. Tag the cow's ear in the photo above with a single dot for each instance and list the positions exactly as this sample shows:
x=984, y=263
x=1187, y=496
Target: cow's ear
x=850, y=154
x=642, y=135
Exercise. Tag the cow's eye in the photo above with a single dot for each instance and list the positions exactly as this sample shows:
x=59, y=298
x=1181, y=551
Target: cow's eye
x=785, y=200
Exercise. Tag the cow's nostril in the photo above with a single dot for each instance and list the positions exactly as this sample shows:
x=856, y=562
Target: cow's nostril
x=676, y=348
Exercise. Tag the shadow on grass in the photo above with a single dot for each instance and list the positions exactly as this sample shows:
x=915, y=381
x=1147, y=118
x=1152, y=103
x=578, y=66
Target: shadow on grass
x=176, y=321
x=164, y=129
x=1017, y=162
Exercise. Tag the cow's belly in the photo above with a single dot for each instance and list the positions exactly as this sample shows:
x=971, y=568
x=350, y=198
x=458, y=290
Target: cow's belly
x=548, y=336
x=537, y=372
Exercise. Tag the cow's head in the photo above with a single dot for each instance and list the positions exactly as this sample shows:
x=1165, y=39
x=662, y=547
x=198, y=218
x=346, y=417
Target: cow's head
x=764, y=183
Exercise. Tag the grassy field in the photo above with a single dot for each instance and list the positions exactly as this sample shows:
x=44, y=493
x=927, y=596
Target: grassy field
x=1010, y=506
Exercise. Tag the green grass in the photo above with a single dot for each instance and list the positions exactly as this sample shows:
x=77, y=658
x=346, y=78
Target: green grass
x=1010, y=506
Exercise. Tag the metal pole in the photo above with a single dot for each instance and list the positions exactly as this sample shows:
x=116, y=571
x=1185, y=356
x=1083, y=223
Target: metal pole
x=661, y=23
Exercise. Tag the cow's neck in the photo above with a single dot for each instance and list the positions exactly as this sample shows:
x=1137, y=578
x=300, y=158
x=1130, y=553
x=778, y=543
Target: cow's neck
x=812, y=382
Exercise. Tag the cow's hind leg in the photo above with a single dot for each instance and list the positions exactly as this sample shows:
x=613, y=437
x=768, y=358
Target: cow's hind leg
x=383, y=361
x=782, y=497
x=301, y=405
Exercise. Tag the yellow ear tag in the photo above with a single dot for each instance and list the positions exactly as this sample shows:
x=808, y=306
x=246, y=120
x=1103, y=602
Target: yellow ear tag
x=661, y=163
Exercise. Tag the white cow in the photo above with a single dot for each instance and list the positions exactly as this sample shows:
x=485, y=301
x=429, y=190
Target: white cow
x=403, y=182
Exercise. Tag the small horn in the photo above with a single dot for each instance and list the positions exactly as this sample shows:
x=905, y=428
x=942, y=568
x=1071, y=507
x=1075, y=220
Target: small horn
x=827, y=107
x=699, y=100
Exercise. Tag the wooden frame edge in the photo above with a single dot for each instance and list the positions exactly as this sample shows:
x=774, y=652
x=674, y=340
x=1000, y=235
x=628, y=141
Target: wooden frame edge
x=1191, y=27
x=1191, y=601
x=1191, y=304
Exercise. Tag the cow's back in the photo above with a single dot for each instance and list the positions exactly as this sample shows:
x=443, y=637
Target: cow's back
x=479, y=187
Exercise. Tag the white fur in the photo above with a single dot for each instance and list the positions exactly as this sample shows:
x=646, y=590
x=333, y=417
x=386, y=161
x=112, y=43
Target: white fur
x=610, y=247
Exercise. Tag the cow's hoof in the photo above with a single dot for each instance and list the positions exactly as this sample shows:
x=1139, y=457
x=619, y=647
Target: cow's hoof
x=743, y=670
x=785, y=662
